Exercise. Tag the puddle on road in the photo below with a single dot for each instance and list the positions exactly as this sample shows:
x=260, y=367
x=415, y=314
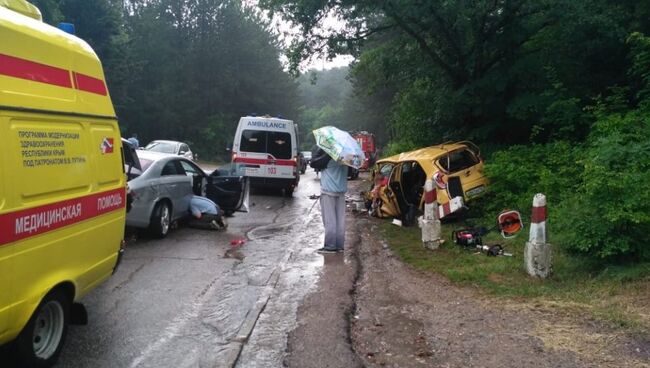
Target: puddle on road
x=267, y=344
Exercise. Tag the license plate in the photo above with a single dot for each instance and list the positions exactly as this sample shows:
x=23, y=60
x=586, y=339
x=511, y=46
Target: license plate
x=252, y=171
x=475, y=191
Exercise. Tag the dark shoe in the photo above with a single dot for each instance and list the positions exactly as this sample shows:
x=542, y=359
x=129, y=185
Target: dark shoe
x=222, y=222
x=324, y=250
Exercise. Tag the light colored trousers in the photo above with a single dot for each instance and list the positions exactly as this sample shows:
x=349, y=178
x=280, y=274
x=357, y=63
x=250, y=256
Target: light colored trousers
x=332, y=207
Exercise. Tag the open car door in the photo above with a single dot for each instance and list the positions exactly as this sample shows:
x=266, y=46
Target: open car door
x=390, y=205
x=229, y=192
x=130, y=158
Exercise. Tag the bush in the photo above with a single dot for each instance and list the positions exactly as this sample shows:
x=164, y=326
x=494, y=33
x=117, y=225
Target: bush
x=598, y=192
x=610, y=214
x=519, y=172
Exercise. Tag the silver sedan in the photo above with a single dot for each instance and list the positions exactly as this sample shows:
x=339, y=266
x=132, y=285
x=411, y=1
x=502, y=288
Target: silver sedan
x=171, y=147
x=161, y=191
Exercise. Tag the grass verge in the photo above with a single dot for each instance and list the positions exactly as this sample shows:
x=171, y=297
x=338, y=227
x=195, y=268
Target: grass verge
x=618, y=294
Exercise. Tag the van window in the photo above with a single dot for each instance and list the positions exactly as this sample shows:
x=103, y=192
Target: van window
x=277, y=144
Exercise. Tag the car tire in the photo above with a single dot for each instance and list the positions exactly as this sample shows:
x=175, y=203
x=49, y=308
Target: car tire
x=40, y=342
x=160, y=220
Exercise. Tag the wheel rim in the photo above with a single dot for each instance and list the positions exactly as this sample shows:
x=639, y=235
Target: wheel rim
x=48, y=329
x=164, y=219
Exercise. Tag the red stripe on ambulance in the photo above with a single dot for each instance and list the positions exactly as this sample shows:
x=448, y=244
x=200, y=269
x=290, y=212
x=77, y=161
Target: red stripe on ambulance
x=38, y=220
x=262, y=161
x=25, y=69
x=89, y=84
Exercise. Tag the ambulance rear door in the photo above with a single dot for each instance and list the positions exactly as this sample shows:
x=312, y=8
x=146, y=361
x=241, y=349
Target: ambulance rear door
x=267, y=154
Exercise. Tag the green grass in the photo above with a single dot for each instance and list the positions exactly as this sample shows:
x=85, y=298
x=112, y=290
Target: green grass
x=606, y=289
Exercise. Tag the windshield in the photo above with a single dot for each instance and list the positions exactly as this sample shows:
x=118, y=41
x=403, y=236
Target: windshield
x=163, y=147
x=277, y=144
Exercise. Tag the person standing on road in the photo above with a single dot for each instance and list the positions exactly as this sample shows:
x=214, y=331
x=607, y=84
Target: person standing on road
x=206, y=214
x=333, y=185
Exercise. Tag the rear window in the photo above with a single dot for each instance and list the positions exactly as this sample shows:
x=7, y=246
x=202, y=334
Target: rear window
x=458, y=160
x=277, y=144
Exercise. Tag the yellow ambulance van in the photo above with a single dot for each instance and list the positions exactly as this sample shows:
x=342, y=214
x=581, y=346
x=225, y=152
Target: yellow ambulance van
x=62, y=182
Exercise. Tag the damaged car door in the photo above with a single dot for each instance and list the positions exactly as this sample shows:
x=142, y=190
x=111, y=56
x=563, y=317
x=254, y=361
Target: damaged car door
x=229, y=192
x=389, y=200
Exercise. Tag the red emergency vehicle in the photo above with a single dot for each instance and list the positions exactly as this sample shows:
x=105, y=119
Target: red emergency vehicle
x=367, y=142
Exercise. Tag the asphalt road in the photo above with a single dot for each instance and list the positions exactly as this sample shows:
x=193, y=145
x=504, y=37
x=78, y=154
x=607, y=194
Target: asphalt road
x=192, y=299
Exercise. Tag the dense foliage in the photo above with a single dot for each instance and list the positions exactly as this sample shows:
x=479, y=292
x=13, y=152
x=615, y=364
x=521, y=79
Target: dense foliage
x=558, y=90
x=599, y=188
x=183, y=70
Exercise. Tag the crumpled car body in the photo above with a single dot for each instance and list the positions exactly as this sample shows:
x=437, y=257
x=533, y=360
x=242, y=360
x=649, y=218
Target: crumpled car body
x=456, y=168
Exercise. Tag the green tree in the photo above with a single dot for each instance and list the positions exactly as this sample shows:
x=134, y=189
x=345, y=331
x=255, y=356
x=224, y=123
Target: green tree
x=198, y=66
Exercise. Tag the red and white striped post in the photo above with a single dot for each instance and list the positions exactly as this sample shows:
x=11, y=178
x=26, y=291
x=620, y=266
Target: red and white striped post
x=429, y=222
x=537, y=253
x=450, y=207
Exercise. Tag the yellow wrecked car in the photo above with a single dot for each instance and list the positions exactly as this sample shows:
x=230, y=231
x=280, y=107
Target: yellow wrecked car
x=456, y=168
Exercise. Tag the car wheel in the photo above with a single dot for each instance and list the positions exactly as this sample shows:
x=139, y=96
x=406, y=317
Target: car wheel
x=41, y=340
x=160, y=220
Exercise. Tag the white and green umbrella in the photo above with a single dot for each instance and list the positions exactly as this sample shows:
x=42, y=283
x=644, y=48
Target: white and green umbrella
x=339, y=145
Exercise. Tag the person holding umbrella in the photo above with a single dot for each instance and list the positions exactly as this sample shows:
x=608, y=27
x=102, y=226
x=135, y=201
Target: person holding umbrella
x=344, y=151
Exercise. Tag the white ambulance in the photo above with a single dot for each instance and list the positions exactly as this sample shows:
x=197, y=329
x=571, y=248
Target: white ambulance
x=266, y=151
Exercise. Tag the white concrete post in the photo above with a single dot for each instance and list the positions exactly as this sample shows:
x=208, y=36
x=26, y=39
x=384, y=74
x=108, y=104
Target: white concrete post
x=430, y=223
x=537, y=253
